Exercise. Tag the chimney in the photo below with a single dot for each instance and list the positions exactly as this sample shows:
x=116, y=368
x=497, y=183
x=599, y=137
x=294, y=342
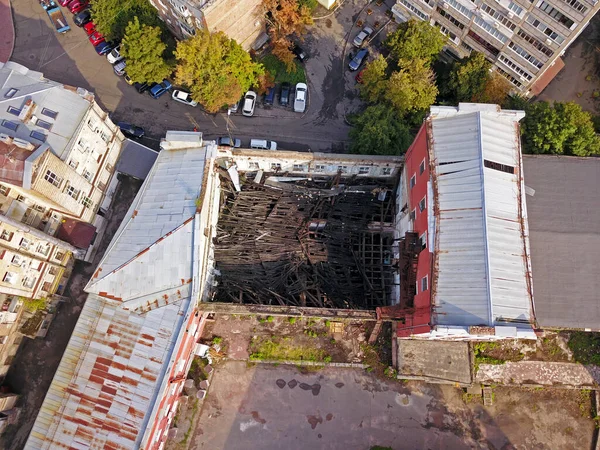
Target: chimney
x=27, y=111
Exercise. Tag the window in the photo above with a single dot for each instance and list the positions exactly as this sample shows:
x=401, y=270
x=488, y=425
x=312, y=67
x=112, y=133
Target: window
x=25, y=243
x=299, y=168
x=343, y=169
x=4, y=190
x=424, y=283
x=39, y=208
x=73, y=164
x=450, y=18
x=414, y=10
x=576, y=6
x=29, y=282
x=386, y=171
x=86, y=202
x=53, y=271
x=52, y=178
x=498, y=16
x=526, y=56
x=49, y=113
x=423, y=239
x=556, y=14
x=535, y=42
x=545, y=29
x=92, y=124
x=16, y=260
x=39, y=136
x=413, y=214
x=499, y=167
x=43, y=124
x=44, y=249
x=320, y=168
x=7, y=235
x=10, y=277
x=509, y=77
x=110, y=168
x=514, y=66
x=413, y=181
x=72, y=192
x=251, y=164
x=461, y=9
x=14, y=111
x=101, y=185
x=83, y=145
x=515, y=8
x=105, y=136
x=275, y=167
x=21, y=199
x=446, y=31
x=490, y=29
x=46, y=286
x=364, y=170
x=422, y=204
x=88, y=175
x=59, y=255
x=11, y=93
x=422, y=167
x=485, y=44
x=10, y=125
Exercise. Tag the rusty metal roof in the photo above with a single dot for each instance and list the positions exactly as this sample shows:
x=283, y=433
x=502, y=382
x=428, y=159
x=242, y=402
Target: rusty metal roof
x=12, y=163
x=481, y=254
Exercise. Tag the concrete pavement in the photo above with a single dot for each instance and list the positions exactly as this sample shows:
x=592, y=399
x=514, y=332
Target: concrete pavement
x=7, y=31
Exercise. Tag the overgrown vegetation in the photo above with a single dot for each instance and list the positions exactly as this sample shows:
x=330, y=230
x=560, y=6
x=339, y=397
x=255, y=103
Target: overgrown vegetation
x=285, y=349
x=480, y=357
x=280, y=73
x=585, y=347
x=34, y=304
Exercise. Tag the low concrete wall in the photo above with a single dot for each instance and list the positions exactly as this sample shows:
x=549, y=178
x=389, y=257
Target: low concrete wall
x=288, y=311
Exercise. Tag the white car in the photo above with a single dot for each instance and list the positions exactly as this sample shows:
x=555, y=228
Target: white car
x=360, y=38
x=114, y=56
x=300, y=97
x=249, y=103
x=183, y=97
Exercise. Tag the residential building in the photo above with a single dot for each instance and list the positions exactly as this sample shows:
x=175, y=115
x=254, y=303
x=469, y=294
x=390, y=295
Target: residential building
x=465, y=258
x=524, y=40
x=126, y=362
x=242, y=20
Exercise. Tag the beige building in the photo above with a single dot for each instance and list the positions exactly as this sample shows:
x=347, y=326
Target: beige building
x=523, y=39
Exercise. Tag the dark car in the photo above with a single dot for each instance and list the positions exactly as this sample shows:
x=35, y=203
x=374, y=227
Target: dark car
x=80, y=19
x=105, y=47
x=358, y=59
x=300, y=53
x=269, y=98
x=229, y=142
x=131, y=130
x=141, y=87
x=284, y=94
x=158, y=89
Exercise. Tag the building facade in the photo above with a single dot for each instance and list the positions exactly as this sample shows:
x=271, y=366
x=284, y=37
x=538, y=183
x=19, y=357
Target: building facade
x=524, y=40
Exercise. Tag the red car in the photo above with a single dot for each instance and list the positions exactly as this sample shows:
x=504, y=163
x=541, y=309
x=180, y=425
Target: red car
x=89, y=28
x=77, y=6
x=96, y=38
x=358, y=77
x=64, y=2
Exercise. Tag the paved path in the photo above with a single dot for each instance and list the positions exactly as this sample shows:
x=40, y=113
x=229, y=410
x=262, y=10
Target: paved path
x=7, y=31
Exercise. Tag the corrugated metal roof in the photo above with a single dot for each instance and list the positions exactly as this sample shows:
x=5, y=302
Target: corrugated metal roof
x=480, y=257
x=109, y=380
x=136, y=160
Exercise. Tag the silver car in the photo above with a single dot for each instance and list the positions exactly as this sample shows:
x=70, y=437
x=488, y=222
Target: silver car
x=361, y=37
x=183, y=97
x=300, y=97
x=119, y=68
x=249, y=103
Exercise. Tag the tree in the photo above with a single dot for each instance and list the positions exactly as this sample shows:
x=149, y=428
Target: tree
x=416, y=39
x=495, y=91
x=374, y=80
x=282, y=50
x=216, y=69
x=287, y=17
x=379, y=130
x=413, y=87
x=111, y=17
x=468, y=77
x=143, y=50
x=559, y=128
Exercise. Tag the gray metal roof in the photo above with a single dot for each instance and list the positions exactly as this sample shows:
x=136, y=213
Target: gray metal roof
x=481, y=265
x=136, y=159
x=69, y=103
x=564, y=223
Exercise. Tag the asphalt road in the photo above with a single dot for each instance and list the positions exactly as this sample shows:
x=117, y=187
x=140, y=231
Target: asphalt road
x=69, y=58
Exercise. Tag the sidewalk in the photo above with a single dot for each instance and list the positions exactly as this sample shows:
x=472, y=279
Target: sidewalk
x=7, y=31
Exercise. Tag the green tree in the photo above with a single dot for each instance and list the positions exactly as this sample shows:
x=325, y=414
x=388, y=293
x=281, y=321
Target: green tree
x=34, y=304
x=495, y=91
x=374, y=80
x=216, y=69
x=143, y=50
x=559, y=128
x=379, y=130
x=412, y=88
x=111, y=17
x=416, y=39
x=468, y=77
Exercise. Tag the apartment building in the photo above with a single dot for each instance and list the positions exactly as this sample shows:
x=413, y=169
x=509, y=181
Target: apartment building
x=523, y=39
x=242, y=20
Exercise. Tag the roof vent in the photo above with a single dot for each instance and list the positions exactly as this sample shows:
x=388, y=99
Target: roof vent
x=27, y=111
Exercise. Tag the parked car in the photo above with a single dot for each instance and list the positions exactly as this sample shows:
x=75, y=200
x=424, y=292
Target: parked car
x=300, y=97
x=131, y=130
x=269, y=97
x=141, y=87
x=64, y=2
x=358, y=76
x=263, y=144
x=89, y=28
x=284, y=94
x=119, y=68
x=229, y=142
x=358, y=59
x=158, y=89
x=114, y=56
x=361, y=37
x=77, y=6
x=234, y=108
x=95, y=38
x=104, y=47
x=183, y=97
x=83, y=17
x=300, y=53
x=127, y=79
x=249, y=103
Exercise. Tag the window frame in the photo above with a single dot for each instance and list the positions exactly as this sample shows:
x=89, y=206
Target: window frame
x=423, y=201
x=413, y=181
x=426, y=280
x=53, y=178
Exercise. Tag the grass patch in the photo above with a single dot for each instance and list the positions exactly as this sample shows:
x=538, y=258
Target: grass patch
x=188, y=433
x=585, y=347
x=479, y=351
x=279, y=72
x=284, y=349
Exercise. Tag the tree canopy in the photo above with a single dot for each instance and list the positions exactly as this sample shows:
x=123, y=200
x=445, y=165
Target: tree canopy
x=559, y=128
x=143, y=49
x=379, y=130
x=111, y=17
x=468, y=77
x=416, y=39
x=413, y=87
x=216, y=69
x=287, y=17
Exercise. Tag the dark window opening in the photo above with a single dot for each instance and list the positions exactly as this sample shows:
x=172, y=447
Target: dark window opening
x=497, y=166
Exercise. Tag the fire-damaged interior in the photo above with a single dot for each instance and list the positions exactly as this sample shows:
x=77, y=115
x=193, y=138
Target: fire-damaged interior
x=323, y=242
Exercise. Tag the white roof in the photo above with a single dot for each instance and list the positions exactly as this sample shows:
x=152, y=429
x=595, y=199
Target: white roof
x=107, y=384
x=69, y=103
x=481, y=254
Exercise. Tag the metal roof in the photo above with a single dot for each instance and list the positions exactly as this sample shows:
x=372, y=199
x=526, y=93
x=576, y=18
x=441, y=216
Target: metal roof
x=105, y=391
x=564, y=222
x=481, y=258
x=136, y=160
x=19, y=84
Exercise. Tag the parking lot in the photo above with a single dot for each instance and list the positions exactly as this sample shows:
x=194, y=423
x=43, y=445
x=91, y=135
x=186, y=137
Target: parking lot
x=69, y=58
